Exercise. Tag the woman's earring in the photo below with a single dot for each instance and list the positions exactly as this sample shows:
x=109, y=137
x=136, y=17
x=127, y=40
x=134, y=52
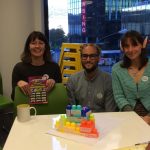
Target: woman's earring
x=145, y=42
x=121, y=46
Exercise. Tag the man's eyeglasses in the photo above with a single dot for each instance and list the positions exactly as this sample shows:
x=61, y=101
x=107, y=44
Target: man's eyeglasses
x=91, y=56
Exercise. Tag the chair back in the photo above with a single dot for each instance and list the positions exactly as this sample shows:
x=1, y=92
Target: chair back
x=1, y=148
x=57, y=100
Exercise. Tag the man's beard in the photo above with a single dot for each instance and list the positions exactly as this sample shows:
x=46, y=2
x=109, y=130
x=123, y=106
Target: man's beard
x=89, y=70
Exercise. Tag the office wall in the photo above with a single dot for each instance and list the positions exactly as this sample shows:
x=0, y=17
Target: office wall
x=17, y=19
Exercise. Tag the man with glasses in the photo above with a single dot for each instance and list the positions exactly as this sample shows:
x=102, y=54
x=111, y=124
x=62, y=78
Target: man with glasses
x=91, y=87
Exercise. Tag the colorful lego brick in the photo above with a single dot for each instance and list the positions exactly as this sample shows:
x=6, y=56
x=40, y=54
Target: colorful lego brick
x=76, y=113
x=78, y=120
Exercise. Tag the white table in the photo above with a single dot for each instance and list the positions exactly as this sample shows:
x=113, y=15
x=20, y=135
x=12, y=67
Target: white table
x=117, y=129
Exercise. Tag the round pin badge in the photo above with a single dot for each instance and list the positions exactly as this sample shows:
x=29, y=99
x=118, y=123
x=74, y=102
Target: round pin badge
x=45, y=77
x=145, y=78
x=99, y=95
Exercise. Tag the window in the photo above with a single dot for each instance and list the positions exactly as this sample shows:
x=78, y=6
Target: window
x=103, y=20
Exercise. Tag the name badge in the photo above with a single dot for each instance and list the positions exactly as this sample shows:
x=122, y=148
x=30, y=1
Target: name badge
x=145, y=78
x=99, y=95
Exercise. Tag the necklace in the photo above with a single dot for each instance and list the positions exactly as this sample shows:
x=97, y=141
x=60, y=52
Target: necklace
x=133, y=71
